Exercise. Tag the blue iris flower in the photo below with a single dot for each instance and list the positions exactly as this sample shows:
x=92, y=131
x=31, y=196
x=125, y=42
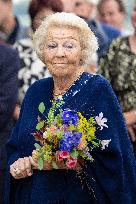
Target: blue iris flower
x=69, y=141
x=69, y=116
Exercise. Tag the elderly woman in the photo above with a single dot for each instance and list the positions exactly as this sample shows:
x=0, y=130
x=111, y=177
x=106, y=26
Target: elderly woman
x=64, y=42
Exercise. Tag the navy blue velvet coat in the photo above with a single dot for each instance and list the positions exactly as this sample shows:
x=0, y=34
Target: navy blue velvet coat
x=111, y=177
x=9, y=66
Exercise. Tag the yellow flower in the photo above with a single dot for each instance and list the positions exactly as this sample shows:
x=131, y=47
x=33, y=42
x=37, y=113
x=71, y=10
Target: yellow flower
x=35, y=155
x=87, y=128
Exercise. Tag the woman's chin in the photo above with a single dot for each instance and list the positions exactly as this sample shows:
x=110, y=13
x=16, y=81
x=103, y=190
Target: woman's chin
x=60, y=72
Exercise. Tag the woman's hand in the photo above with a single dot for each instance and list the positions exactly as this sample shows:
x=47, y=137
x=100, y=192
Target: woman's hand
x=34, y=163
x=131, y=133
x=48, y=166
x=16, y=112
x=21, y=168
x=130, y=117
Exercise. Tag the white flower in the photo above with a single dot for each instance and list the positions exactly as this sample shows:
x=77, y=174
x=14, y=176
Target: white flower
x=45, y=135
x=60, y=97
x=105, y=143
x=101, y=121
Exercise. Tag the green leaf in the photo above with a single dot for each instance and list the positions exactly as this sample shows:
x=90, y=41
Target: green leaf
x=54, y=165
x=95, y=144
x=37, y=146
x=92, y=121
x=40, y=163
x=40, y=125
x=59, y=134
x=74, y=153
x=41, y=107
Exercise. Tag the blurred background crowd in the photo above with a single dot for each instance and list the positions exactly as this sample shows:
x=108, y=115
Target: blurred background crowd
x=20, y=8
x=114, y=24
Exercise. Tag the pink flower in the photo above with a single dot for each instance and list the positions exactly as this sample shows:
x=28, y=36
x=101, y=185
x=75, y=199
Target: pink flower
x=71, y=163
x=62, y=155
x=53, y=129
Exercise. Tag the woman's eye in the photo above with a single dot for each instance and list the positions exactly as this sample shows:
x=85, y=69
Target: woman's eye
x=69, y=46
x=52, y=46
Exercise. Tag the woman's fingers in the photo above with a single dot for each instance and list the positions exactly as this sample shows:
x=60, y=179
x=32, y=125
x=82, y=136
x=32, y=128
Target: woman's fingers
x=47, y=166
x=28, y=166
x=134, y=126
x=132, y=133
x=33, y=163
x=21, y=168
x=130, y=117
x=13, y=171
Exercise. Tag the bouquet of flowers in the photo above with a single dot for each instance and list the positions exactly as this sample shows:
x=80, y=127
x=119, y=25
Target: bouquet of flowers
x=66, y=135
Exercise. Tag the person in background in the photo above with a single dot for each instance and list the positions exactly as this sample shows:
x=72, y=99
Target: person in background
x=119, y=67
x=86, y=9
x=9, y=65
x=32, y=68
x=113, y=12
x=68, y=6
x=10, y=28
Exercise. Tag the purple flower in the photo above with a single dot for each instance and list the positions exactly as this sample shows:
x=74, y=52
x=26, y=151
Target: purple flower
x=69, y=141
x=69, y=116
x=87, y=153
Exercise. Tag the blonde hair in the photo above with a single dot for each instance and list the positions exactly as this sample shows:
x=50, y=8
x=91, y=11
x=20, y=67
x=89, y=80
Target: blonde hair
x=88, y=41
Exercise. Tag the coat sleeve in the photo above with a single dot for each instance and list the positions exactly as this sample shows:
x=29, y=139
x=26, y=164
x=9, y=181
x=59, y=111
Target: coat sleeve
x=112, y=175
x=8, y=85
x=13, y=153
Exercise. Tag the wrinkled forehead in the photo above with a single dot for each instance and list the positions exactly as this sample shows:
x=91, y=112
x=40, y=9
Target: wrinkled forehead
x=62, y=32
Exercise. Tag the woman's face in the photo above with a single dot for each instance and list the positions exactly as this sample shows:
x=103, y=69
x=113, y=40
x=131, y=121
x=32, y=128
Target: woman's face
x=111, y=14
x=62, y=51
x=133, y=17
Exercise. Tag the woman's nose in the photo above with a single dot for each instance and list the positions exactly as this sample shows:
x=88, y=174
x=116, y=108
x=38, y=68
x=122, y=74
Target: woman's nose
x=60, y=51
